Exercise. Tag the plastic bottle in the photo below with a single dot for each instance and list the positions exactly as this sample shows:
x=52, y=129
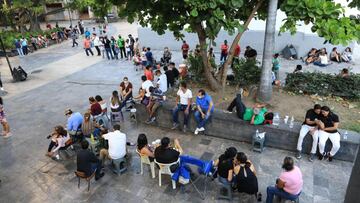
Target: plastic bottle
x=257, y=133
x=291, y=122
x=345, y=135
x=276, y=120
x=92, y=138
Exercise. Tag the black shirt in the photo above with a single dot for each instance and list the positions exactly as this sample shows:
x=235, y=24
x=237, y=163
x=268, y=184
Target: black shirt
x=329, y=121
x=84, y=160
x=175, y=72
x=106, y=43
x=250, y=53
x=169, y=155
x=170, y=78
x=248, y=184
x=310, y=114
x=224, y=166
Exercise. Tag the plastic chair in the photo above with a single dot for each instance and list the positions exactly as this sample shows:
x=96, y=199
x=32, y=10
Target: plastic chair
x=145, y=160
x=119, y=165
x=81, y=175
x=165, y=169
x=133, y=115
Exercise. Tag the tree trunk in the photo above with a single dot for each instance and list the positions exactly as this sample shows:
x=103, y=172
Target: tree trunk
x=213, y=83
x=34, y=22
x=234, y=43
x=265, y=90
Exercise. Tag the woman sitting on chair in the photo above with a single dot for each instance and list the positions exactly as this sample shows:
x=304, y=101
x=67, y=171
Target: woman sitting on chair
x=58, y=141
x=89, y=126
x=143, y=147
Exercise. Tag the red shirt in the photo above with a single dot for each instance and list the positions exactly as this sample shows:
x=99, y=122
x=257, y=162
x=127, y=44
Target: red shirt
x=185, y=48
x=237, y=50
x=149, y=75
x=95, y=109
x=224, y=48
x=87, y=43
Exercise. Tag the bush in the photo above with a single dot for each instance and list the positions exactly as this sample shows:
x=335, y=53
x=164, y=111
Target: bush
x=324, y=84
x=246, y=72
x=196, y=67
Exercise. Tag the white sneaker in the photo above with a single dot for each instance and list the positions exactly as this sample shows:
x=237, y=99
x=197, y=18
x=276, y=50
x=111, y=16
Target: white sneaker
x=201, y=129
x=226, y=111
x=2, y=89
x=57, y=157
x=196, y=131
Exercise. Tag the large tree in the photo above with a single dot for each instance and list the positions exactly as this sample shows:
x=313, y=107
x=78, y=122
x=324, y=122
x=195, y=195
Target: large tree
x=100, y=8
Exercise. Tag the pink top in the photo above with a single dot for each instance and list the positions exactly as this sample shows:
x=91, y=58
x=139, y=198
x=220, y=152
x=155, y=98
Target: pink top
x=293, y=180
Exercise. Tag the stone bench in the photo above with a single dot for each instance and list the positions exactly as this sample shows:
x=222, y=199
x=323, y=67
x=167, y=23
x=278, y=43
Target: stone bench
x=229, y=126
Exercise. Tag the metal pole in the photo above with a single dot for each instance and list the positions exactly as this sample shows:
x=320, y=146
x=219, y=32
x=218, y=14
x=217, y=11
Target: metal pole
x=7, y=58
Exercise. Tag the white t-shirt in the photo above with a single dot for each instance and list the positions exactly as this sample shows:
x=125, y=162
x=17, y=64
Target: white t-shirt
x=323, y=59
x=145, y=86
x=184, y=96
x=117, y=144
x=162, y=81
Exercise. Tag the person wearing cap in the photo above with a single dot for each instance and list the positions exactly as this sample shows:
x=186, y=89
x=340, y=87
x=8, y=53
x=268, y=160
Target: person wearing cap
x=74, y=121
x=288, y=185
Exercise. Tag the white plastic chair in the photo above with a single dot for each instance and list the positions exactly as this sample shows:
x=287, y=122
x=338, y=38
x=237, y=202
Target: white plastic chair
x=165, y=169
x=145, y=160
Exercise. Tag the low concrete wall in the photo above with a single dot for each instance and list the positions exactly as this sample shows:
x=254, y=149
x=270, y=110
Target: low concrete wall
x=255, y=38
x=228, y=126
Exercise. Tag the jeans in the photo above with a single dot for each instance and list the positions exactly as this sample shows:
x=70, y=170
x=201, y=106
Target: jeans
x=75, y=43
x=318, y=63
x=123, y=103
x=272, y=190
x=25, y=50
x=87, y=50
x=303, y=132
x=109, y=53
x=20, y=51
x=97, y=168
x=114, y=51
x=98, y=50
x=51, y=145
x=334, y=138
x=240, y=107
x=224, y=181
x=200, y=121
x=34, y=45
x=223, y=57
x=122, y=52
x=175, y=113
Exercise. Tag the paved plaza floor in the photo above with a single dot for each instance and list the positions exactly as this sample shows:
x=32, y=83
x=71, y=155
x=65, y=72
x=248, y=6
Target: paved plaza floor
x=67, y=77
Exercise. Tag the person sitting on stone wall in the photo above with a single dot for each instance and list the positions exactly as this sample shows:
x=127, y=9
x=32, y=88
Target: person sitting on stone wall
x=183, y=103
x=144, y=93
x=257, y=115
x=310, y=125
x=204, y=109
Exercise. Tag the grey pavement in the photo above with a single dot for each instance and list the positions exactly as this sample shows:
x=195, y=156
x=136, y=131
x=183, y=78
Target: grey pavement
x=29, y=176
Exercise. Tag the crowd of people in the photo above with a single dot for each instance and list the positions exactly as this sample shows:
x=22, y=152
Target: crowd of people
x=320, y=57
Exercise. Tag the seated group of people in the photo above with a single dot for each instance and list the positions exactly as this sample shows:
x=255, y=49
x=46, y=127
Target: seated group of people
x=322, y=124
x=236, y=170
x=320, y=57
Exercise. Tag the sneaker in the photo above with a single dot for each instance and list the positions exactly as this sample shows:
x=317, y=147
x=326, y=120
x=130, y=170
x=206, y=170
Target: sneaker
x=327, y=155
x=100, y=176
x=196, y=131
x=2, y=89
x=321, y=156
x=330, y=158
x=184, y=128
x=175, y=126
x=226, y=111
x=57, y=157
x=298, y=155
x=7, y=135
x=312, y=157
x=201, y=129
x=148, y=121
x=153, y=119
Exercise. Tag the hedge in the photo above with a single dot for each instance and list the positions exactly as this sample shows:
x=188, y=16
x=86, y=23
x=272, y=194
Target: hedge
x=324, y=84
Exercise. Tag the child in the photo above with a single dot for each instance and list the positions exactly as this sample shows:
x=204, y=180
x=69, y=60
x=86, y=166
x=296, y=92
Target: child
x=276, y=65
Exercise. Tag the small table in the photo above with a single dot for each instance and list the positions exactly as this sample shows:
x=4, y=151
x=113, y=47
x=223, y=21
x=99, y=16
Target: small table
x=93, y=145
x=258, y=141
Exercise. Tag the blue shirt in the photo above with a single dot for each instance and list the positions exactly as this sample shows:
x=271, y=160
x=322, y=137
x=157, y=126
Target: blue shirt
x=74, y=121
x=17, y=44
x=204, y=102
x=149, y=56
